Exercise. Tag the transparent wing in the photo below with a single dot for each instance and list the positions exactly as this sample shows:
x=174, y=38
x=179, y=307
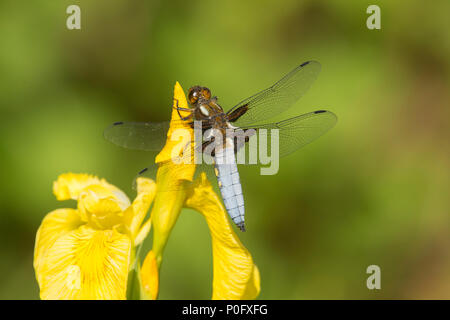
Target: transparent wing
x=177, y=167
x=298, y=131
x=293, y=134
x=277, y=98
x=152, y=136
x=147, y=136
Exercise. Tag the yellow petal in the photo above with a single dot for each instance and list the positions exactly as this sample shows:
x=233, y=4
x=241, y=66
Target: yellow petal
x=70, y=186
x=86, y=264
x=143, y=232
x=135, y=214
x=176, y=124
x=254, y=286
x=99, y=206
x=149, y=276
x=179, y=135
x=55, y=224
x=171, y=180
x=235, y=275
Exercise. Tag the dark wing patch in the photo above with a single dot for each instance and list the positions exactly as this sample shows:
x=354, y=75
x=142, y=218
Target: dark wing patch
x=237, y=113
x=277, y=98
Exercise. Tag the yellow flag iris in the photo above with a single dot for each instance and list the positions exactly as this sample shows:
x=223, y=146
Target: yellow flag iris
x=235, y=276
x=85, y=253
x=88, y=252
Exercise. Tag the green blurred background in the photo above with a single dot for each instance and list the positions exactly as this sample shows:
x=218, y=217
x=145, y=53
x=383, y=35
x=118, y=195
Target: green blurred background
x=374, y=190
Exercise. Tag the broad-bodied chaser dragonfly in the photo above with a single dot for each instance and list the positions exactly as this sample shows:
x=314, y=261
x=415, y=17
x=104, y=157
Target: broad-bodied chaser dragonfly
x=293, y=133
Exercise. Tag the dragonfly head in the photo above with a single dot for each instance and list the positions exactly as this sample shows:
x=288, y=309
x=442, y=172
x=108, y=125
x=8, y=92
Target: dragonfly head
x=197, y=93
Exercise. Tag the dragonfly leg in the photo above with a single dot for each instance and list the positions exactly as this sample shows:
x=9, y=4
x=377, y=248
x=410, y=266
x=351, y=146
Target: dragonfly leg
x=179, y=108
x=183, y=109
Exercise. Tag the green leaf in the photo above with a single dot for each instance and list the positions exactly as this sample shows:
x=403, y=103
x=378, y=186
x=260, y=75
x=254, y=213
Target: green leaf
x=135, y=291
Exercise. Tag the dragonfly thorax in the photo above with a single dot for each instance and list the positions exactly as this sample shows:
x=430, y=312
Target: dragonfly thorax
x=206, y=107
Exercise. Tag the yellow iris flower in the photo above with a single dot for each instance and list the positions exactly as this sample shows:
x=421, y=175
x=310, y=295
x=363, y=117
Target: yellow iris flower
x=88, y=252
x=85, y=253
x=235, y=276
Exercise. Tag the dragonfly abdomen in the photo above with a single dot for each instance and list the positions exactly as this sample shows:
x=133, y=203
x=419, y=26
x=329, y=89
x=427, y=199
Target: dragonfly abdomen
x=230, y=185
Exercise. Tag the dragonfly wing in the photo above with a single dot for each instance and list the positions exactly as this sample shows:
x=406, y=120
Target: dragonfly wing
x=277, y=98
x=178, y=168
x=298, y=131
x=148, y=136
x=152, y=136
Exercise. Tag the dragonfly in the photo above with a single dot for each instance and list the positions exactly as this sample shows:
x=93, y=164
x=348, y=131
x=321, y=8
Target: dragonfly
x=252, y=113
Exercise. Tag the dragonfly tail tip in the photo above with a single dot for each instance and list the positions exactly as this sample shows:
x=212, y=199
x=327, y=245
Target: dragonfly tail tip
x=241, y=226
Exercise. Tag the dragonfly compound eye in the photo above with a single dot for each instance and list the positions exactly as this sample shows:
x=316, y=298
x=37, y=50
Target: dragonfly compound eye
x=194, y=94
